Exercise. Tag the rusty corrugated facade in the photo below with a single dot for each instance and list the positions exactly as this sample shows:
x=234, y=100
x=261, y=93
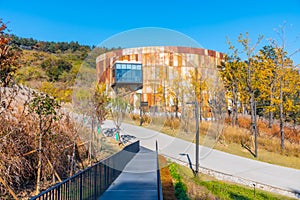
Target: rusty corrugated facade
x=161, y=65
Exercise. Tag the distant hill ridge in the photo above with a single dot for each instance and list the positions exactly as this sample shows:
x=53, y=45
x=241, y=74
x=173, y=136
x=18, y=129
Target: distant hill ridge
x=46, y=46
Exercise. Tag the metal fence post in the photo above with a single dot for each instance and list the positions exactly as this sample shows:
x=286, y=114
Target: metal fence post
x=95, y=181
x=80, y=186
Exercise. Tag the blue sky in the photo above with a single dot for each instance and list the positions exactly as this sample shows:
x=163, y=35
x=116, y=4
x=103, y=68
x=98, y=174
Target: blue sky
x=207, y=22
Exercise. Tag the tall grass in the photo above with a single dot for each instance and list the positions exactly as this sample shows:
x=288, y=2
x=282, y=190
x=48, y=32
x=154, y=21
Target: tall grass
x=224, y=136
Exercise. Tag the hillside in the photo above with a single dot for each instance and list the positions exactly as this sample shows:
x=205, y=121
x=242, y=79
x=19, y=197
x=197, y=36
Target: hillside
x=40, y=71
x=38, y=137
x=51, y=67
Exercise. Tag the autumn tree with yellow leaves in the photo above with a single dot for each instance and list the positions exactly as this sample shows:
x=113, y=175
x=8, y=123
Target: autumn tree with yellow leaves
x=265, y=82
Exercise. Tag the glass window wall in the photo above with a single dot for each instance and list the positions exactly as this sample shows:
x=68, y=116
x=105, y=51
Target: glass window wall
x=128, y=73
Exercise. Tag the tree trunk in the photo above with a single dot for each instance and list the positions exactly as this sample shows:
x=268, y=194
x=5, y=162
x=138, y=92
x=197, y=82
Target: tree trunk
x=255, y=131
x=270, y=119
x=253, y=122
x=99, y=135
x=253, y=108
x=154, y=102
x=38, y=181
x=271, y=112
x=176, y=107
x=234, y=107
x=164, y=97
x=281, y=116
x=200, y=105
x=73, y=159
x=53, y=177
x=91, y=142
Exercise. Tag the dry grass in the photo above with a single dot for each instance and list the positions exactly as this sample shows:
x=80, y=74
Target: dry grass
x=268, y=139
x=292, y=133
x=19, y=135
x=231, y=139
x=19, y=130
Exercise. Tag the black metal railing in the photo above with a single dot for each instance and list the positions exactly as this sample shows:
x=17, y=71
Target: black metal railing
x=92, y=182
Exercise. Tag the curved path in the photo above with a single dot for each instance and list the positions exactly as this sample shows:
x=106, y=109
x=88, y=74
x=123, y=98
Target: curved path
x=259, y=172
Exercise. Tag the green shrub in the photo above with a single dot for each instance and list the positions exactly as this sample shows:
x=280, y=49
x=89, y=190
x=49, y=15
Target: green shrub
x=180, y=191
x=180, y=187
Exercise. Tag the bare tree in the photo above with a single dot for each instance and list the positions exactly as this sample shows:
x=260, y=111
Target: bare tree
x=283, y=62
x=119, y=106
x=247, y=80
x=45, y=108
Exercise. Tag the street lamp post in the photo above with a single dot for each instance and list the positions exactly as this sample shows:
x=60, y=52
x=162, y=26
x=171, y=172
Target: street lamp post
x=195, y=103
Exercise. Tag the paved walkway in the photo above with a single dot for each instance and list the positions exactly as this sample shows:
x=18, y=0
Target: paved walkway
x=138, y=180
x=252, y=170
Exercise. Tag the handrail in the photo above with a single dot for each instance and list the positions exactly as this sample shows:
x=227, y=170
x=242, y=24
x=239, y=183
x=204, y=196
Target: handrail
x=91, y=182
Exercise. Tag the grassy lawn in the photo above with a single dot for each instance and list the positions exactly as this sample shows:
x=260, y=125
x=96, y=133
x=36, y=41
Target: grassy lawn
x=229, y=140
x=187, y=186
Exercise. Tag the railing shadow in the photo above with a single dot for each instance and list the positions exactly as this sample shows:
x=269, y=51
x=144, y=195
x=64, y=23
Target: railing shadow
x=248, y=149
